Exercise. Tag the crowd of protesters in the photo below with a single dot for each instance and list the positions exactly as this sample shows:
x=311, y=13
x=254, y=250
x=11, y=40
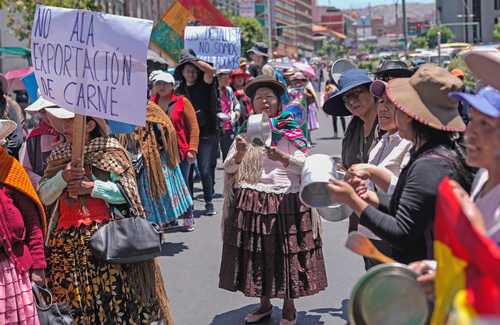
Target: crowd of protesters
x=408, y=130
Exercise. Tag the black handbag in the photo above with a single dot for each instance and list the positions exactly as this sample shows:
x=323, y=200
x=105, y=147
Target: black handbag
x=48, y=312
x=126, y=239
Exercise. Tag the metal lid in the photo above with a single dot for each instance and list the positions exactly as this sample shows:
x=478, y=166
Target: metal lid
x=388, y=294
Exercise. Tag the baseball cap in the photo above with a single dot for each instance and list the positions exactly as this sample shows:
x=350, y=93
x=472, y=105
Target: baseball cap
x=486, y=101
x=159, y=75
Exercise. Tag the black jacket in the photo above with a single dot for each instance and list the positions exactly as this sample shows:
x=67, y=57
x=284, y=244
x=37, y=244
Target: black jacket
x=406, y=221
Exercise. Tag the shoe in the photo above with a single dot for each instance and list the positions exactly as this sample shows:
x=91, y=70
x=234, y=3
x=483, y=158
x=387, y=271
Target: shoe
x=209, y=209
x=188, y=224
x=255, y=318
x=289, y=322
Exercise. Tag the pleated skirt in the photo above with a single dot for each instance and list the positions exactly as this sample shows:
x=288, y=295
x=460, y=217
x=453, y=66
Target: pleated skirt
x=269, y=248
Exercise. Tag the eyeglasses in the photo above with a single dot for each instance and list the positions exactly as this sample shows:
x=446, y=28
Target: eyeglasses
x=353, y=94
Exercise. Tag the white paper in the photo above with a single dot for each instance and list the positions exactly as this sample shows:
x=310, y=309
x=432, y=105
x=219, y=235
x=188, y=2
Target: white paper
x=92, y=63
x=218, y=45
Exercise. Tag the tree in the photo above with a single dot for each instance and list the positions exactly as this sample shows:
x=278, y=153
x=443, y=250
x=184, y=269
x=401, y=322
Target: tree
x=419, y=43
x=21, y=14
x=331, y=50
x=431, y=35
x=251, y=31
x=496, y=31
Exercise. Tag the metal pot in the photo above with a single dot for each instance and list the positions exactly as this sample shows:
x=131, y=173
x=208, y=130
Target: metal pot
x=316, y=174
x=388, y=294
x=335, y=213
x=259, y=130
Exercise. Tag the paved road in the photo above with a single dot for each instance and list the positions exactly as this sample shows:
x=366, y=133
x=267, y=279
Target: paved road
x=190, y=265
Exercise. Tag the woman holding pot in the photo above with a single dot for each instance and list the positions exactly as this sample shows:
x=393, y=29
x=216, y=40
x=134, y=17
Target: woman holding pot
x=98, y=292
x=354, y=98
x=427, y=117
x=271, y=242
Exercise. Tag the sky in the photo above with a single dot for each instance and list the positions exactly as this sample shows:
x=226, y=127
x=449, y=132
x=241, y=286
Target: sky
x=346, y=4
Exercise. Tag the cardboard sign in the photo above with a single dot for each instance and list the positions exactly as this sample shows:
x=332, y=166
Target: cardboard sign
x=218, y=45
x=92, y=63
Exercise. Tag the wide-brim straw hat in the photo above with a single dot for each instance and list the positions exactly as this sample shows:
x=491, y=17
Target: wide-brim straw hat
x=6, y=128
x=485, y=66
x=424, y=97
x=263, y=81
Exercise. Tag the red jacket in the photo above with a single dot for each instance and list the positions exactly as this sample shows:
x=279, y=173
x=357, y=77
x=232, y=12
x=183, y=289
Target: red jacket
x=21, y=235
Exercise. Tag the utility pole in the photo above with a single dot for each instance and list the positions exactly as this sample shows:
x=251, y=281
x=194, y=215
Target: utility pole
x=270, y=29
x=405, y=28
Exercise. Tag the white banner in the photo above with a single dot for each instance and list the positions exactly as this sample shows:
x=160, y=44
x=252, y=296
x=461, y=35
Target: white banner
x=247, y=8
x=92, y=63
x=218, y=45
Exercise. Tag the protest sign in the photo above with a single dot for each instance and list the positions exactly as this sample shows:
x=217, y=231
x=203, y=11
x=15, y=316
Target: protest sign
x=92, y=63
x=218, y=45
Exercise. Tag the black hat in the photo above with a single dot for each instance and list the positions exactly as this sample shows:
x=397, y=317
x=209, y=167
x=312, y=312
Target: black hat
x=187, y=56
x=264, y=81
x=259, y=49
x=393, y=68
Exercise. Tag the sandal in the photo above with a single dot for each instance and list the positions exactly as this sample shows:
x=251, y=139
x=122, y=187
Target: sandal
x=255, y=318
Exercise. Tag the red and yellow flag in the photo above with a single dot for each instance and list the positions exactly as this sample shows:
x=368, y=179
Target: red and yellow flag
x=468, y=274
x=168, y=33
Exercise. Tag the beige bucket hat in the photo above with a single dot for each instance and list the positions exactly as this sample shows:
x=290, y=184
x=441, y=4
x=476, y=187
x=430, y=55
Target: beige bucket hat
x=424, y=97
x=485, y=65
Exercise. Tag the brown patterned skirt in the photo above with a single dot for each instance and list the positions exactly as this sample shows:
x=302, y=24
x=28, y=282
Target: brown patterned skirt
x=269, y=249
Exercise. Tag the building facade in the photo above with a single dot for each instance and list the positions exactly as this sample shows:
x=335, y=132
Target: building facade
x=227, y=6
x=291, y=26
x=480, y=15
x=329, y=17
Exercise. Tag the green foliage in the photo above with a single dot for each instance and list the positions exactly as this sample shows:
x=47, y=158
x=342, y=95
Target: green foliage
x=333, y=50
x=496, y=31
x=251, y=31
x=369, y=65
x=458, y=63
x=21, y=13
x=419, y=43
x=431, y=35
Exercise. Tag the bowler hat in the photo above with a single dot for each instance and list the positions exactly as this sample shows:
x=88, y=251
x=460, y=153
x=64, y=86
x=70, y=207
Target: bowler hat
x=264, y=81
x=349, y=80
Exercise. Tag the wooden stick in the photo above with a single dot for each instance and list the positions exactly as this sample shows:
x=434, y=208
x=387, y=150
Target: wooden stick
x=78, y=143
x=360, y=244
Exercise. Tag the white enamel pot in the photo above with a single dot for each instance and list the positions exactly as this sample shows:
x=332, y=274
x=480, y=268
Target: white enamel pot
x=259, y=130
x=316, y=174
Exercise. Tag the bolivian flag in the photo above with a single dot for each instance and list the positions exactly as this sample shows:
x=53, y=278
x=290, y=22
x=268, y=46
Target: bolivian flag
x=168, y=34
x=468, y=274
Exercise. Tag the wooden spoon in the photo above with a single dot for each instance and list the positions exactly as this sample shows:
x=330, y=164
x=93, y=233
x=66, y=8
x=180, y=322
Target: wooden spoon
x=360, y=244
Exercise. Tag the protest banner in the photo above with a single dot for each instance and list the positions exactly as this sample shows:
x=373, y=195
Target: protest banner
x=92, y=63
x=218, y=45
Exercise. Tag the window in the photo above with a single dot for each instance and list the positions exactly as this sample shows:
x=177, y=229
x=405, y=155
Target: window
x=497, y=4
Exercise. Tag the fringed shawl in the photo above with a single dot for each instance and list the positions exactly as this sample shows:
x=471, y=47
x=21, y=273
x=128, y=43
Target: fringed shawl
x=157, y=124
x=13, y=174
x=107, y=154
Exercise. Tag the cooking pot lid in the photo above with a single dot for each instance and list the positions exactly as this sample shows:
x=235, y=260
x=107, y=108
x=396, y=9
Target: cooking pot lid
x=388, y=294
